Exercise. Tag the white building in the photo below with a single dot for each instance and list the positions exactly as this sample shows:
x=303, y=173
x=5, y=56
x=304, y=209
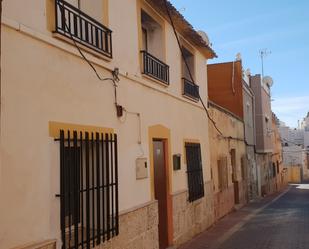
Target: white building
x=291, y=136
x=296, y=156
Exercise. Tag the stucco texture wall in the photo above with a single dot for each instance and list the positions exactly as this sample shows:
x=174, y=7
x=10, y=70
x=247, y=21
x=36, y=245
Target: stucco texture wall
x=44, y=79
x=225, y=86
x=220, y=147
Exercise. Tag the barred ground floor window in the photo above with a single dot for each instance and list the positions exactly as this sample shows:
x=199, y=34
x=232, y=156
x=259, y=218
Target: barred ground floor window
x=194, y=171
x=88, y=188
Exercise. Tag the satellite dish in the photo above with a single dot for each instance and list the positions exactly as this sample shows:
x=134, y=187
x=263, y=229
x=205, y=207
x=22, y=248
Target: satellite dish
x=238, y=57
x=267, y=80
x=248, y=72
x=204, y=36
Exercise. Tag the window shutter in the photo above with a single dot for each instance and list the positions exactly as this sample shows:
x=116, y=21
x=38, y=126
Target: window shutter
x=222, y=173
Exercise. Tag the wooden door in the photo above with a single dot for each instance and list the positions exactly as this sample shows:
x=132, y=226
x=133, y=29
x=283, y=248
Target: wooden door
x=161, y=190
x=234, y=176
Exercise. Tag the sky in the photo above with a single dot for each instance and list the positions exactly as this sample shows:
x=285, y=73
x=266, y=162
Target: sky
x=246, y=27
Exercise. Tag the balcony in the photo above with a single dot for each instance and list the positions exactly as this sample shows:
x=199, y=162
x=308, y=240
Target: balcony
x=190, y=89
x=74, y=24
x=155, y=68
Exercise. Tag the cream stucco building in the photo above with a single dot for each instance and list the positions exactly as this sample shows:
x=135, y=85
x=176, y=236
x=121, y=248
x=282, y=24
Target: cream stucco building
x=76, y=169
x=228, y=161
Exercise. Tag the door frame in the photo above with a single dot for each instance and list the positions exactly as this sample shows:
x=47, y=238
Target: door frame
x=160, y=132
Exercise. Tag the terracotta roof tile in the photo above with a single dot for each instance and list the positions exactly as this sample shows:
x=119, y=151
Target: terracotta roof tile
x=182, y=25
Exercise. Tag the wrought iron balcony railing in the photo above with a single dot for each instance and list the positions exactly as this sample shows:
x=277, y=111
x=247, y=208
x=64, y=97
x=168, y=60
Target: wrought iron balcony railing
x=72, y=23
x=190, y=89
x=155, y=68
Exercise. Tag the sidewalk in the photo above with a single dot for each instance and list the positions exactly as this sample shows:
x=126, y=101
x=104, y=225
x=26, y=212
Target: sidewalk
x=224, y=228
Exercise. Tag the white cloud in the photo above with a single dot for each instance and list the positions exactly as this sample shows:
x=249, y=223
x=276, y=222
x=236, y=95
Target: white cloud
x=291, y=109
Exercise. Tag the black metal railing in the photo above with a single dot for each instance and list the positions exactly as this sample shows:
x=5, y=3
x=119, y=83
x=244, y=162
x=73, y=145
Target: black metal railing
x=194, y=171
x=72, y=23
x=155, y=68
x=88, y=188
x=190, y=89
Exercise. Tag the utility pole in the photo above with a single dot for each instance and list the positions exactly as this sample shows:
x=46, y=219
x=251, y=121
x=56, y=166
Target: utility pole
x=263, y=53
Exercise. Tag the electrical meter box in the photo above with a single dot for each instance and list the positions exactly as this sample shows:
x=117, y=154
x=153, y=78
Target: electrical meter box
x=141, y=168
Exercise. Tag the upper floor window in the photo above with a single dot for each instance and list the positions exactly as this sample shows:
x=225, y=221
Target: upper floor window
x=190, y=89
x=152, y=36
x=93, y=8
x=81, y=21
x=153, y=53
x=188, y=67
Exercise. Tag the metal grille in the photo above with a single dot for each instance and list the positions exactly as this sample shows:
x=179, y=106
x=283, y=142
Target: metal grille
x=190, y=89
x=75, y=24
x=155, y=68
x=88, y=188
x=194, y=171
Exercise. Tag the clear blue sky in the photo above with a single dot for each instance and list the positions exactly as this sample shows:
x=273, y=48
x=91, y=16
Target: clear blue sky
x=281, y=26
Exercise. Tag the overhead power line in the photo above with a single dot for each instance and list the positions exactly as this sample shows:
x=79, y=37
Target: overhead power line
x=189, y=70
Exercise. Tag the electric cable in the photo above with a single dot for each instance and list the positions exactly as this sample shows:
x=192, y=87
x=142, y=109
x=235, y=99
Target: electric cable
x=192, y=79
x=115, y=78
x=188, y=68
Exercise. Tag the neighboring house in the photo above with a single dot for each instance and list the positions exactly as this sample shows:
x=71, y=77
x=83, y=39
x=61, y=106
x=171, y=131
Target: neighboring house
x=85, y=161
x=279, y=173
x=228, y=150
x=249, y=123
x=305, y=128
x=291, y=136
x=296, y=156
x=263, y=131
x=305, y=122
x=295, y=143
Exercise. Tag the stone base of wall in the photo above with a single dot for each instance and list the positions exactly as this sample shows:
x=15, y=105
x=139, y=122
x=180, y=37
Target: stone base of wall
x=270, y=187
x=243, y=192
x=190, y=219
x=253, y=190
x=282, y=181
x=138, y=229
x=47, y=244
x=223, y=202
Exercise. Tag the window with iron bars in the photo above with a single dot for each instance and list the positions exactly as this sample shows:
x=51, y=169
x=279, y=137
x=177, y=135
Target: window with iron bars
x=88, y=188
x=194, y=171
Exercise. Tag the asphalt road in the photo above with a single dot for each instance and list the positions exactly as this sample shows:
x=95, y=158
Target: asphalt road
x=284, y=224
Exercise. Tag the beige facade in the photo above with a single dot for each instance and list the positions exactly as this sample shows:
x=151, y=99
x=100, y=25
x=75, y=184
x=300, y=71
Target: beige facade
x=227, y=161
x=294, y=174
x=263, y=131
x=279, y=174
x=47, y=85
x=249, y=123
